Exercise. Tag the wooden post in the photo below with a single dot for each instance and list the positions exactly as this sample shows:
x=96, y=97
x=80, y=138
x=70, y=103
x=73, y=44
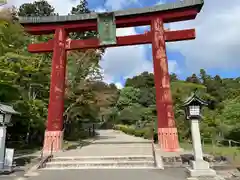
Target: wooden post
x=54, y=131
x=167, y=131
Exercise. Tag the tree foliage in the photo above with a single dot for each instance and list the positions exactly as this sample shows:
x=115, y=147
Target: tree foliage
x=36, y=9
x=25, y=80
x=220, y=119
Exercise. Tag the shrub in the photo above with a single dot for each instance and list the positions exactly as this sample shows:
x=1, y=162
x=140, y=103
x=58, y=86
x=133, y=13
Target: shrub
x=148, y=133
x=145, y=132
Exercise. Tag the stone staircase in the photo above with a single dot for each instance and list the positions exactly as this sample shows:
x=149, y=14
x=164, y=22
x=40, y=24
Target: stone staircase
x=110, y=150
x=102, y=162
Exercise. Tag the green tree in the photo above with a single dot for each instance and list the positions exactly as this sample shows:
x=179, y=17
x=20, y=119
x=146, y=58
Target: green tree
x=131, y=115
x=231, y=113
x=18, y=72
x=128, y=97
x=82, y=8
x=173, y=77
x=204, y=77
x=37, y=8
x=193, y=79
x=147, y=96
x=144, y=80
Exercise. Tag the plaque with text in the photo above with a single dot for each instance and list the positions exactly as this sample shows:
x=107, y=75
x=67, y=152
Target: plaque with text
x=106, y=28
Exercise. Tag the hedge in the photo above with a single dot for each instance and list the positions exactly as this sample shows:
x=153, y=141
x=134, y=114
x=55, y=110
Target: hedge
x=146, y=133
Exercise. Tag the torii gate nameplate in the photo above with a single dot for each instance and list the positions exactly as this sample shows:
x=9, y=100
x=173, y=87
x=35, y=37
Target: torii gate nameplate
x=106, y=28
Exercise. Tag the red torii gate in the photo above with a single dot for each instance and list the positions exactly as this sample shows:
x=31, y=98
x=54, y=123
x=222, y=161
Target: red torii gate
x=155, y=16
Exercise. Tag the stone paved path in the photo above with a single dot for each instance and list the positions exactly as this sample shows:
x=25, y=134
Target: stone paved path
x=112, y=143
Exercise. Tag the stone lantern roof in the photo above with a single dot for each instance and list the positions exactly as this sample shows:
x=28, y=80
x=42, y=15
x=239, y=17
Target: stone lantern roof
x=194, y=99
x=6, y=109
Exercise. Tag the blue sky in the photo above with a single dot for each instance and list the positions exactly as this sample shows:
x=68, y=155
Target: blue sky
x=215, y=49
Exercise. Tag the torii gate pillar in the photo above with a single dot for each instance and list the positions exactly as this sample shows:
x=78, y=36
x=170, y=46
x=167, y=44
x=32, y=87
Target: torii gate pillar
x=167, y=131
x=53, y=139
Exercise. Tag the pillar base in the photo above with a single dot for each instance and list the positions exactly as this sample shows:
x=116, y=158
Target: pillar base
x=200, y=168
x=168, y=139
x=53, y=141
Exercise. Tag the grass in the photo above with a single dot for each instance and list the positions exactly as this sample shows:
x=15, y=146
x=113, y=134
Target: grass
x=25, y=149
x=233, y=153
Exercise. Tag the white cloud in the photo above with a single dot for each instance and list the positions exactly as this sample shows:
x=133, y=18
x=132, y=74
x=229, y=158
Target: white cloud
x=173, y=67
x=119, y=4
x=148, y=66
x=161, y=2
x=64, y=7
x=218, y=41
x=126, y=62
x=100, y=9
x=144, y=28
x=119, y=85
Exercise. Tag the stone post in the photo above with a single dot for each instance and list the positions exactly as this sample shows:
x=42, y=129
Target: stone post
x=199, y=167
x=3, y=130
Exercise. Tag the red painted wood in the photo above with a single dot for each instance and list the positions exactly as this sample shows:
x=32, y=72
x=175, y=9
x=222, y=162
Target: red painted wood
x=180, y=35
x=53, y=142
x=124, y=21
x=164, y=104
x=41, y=47
x=121, y=41
x=57, y=87
x=91, y=43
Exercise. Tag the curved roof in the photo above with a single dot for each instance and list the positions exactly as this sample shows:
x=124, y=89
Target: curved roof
x=6, y=109
x=194, y=98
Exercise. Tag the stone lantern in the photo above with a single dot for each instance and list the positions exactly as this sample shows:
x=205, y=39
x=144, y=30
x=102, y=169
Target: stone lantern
x=6, y=112
x=193, y=106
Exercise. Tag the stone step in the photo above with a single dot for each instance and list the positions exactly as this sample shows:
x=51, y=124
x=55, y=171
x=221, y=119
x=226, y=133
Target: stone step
x=122, y=143
x=108, y=146
x=103, y=158
x=106, y=152
x=103, y=167
x=98, y=164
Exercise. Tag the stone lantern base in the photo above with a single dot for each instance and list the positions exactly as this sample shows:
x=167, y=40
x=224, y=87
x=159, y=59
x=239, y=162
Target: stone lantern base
x=200, y=168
